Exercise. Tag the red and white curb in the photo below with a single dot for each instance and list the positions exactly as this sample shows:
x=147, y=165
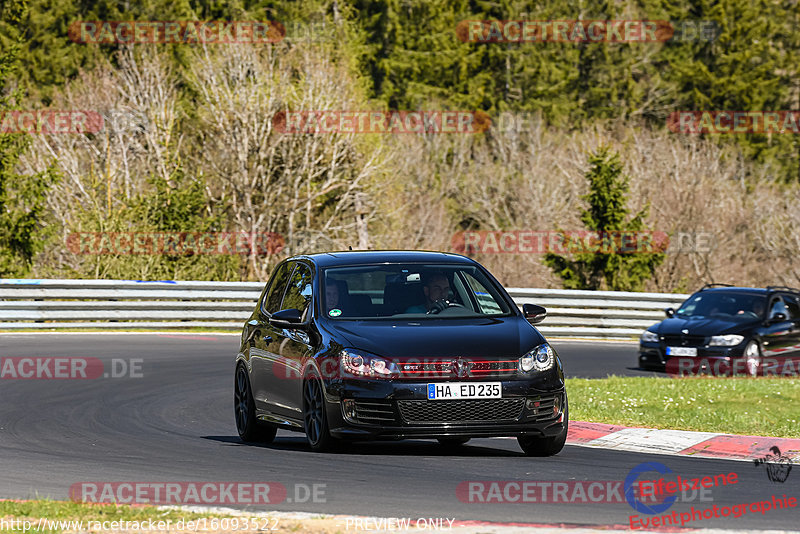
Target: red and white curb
x=679, y=442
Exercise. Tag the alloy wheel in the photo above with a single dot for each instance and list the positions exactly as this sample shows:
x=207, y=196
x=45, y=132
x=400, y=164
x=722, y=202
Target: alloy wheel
x=313, y=416
x=241, y=399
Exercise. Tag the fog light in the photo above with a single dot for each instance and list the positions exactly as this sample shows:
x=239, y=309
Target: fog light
x=557, y=405
x=349, y=408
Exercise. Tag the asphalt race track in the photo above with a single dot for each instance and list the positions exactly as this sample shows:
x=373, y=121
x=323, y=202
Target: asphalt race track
x=175, y=423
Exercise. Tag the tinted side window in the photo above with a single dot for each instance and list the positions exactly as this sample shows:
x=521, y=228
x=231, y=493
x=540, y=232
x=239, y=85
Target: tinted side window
x=778, y=306
x=298, y=295
x=792, y=306
x=276, y=290
x=488, y=305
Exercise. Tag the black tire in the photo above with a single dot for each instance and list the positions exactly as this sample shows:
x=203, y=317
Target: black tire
x=753, y=359
x=250, y=429
x=452, y=442
x=536, y=446
x=315, y=417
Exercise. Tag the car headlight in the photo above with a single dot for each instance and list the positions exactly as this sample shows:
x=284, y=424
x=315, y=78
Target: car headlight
x=649, y=337
x=363, y=364
x=541, y=358
x=728, y=340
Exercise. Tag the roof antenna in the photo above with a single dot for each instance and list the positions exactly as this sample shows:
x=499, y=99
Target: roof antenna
x=350, y=247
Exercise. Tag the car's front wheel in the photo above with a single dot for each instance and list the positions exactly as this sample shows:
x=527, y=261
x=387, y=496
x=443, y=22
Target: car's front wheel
x=546, y=446
x=752, y=358
x=315, y=419
x=249, y=428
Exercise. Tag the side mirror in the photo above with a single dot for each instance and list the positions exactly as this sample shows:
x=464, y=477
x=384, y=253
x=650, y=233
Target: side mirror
x=534, y=313
x=670, y=312
x=778, y=318
x=289, y=318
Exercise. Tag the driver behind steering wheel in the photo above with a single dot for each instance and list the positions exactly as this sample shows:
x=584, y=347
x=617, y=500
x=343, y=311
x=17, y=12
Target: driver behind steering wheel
x=437, y=291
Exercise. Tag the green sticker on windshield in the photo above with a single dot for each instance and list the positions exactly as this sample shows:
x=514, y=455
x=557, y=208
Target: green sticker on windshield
x=336, y=312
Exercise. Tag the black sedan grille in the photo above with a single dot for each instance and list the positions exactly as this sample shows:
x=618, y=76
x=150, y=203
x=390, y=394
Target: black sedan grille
x=684, y=341
x=461, y=411
x=375, y=412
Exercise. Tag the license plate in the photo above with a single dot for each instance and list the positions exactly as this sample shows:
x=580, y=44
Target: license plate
x=681, y=351
x=465, y=390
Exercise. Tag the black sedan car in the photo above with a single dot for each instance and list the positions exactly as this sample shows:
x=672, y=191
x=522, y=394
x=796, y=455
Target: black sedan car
x=391, y=345
x=729, y=331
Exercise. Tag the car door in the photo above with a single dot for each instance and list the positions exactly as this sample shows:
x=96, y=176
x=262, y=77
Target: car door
x=262, y=357
x=781, y=341
x=292, y=345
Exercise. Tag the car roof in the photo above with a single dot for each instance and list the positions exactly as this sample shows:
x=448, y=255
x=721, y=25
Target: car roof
x=362, y=257
x=752, y=290
x=755, y=290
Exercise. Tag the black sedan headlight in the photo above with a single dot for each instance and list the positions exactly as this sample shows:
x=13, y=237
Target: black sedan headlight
x=727, y=340
x=649, y=336
x=541, y=358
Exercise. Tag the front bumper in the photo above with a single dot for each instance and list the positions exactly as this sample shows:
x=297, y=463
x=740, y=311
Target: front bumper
x=359, y=409
x=709, y=358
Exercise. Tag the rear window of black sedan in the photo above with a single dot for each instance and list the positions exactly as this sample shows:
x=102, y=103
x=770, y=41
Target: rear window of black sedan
x=412, y=290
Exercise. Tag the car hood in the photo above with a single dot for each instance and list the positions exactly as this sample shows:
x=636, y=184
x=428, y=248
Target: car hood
x=445, y=338
x=703, y=326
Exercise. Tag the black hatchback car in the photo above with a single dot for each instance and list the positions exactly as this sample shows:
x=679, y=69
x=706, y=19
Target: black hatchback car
x=727, y=330
x=390, y=345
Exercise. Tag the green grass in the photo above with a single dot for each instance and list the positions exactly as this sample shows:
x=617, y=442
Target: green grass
x=67, y=510
x=757, y=407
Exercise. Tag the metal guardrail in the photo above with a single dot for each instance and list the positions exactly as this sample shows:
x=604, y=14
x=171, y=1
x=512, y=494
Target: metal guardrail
x=31, y=304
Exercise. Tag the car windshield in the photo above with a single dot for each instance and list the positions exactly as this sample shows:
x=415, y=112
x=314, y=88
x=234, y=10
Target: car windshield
x=412, y=290
x=724, y=305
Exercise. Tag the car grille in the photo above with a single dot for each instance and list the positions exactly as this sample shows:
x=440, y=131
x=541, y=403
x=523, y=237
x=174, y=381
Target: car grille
x=444, y=368
x=461, y=411
x=684, y=341
x=375, y=412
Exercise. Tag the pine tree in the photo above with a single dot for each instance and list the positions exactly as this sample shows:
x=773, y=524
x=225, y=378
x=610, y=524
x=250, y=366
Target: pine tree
x=612, y=268
x=22, y=198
